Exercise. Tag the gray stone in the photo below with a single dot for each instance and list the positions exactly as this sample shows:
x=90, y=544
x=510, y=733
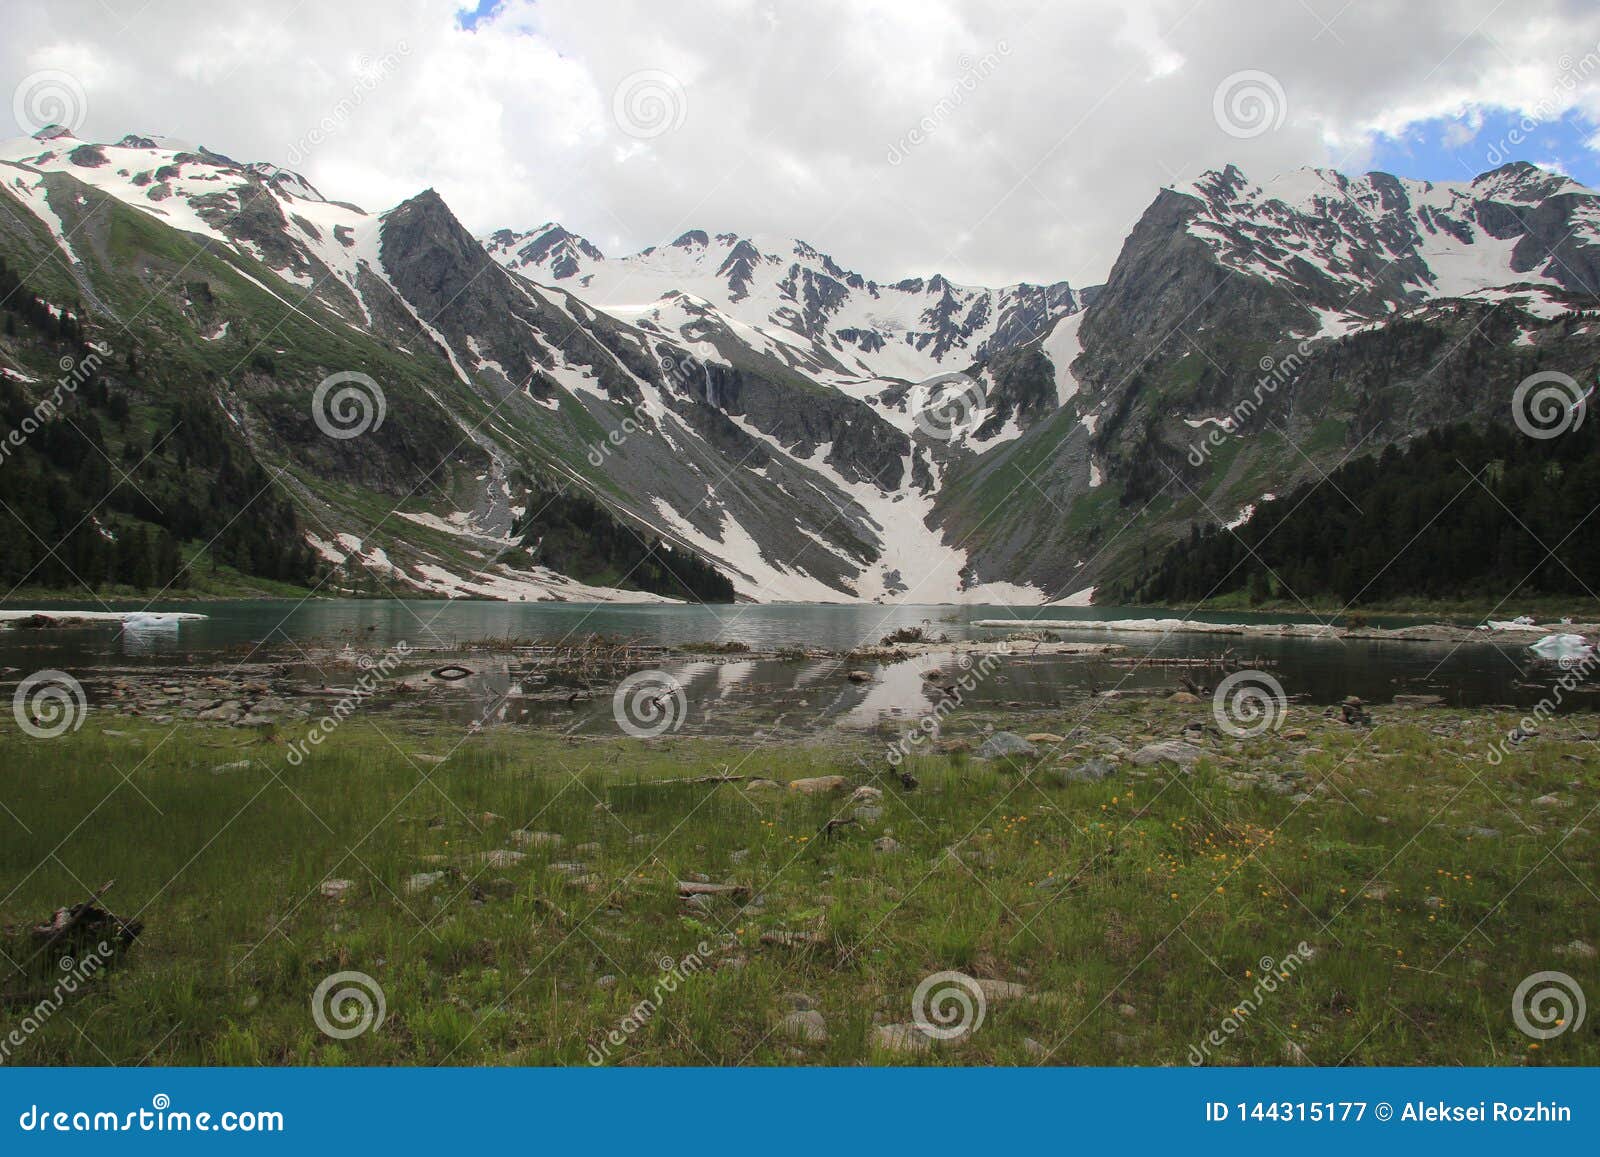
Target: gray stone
x=901, y=1038
x=422, y=881
x=1090, y=771
x=807, y=1025
x=1003, y=743
x=536, y=839
x=1185, y=755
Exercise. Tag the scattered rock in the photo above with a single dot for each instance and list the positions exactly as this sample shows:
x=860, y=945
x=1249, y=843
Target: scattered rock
x=1003, y=743
x=1582, y=949
x=335, y=889
x=1295, y=734
x=806, y=1025
x=1185, y=755
x=1549, y=801
x=886, y=844
x=422, y=881
x=865, y=794
x=1092, y=770
x=501, y=858
x=687, y=888
x=901, y=1038
x=818, y=785
x=236, y=765
x=868, y=815
x=1044, y=737
x=1183, y=697
x=536, y=839
x=995, y=991
x=1419, y=700
x=1480, y=833
x=858, y=677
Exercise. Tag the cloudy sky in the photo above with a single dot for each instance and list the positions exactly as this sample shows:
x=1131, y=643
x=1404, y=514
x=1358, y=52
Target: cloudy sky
x=990, y=140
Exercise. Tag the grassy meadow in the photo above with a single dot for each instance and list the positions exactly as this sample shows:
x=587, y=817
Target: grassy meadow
x=1116, y=922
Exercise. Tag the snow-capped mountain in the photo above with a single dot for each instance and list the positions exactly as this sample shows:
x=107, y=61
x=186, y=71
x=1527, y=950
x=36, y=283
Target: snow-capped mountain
x=792, y=301
x=1253, y=334
x=739, y=447
x=1356, y=248
x=807, y=431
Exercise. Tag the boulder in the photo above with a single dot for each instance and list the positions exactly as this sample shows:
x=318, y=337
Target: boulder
x=818, y=785
x=1185, y=755
x=1092, y=770
x=1004, y=743
x=806, y=1025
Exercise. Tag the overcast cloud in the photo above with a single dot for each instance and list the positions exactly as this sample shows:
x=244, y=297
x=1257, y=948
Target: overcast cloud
x=1045, y=128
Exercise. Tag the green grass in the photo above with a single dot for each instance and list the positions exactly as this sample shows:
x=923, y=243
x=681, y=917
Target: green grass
x=1177, y=887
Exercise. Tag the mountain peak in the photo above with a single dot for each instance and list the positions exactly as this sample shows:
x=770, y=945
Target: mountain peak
x=551, y=247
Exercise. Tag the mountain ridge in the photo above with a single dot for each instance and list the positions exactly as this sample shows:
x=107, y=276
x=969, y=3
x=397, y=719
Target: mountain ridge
x=808, y=431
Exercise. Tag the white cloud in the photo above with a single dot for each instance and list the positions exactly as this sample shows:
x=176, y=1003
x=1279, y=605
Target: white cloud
x=1035, y=171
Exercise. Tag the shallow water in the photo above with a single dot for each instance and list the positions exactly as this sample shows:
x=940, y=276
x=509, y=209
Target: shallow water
x=1317, y=671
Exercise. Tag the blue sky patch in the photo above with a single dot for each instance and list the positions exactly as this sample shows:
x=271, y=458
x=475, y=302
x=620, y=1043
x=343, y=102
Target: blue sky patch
x=1460, y=148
